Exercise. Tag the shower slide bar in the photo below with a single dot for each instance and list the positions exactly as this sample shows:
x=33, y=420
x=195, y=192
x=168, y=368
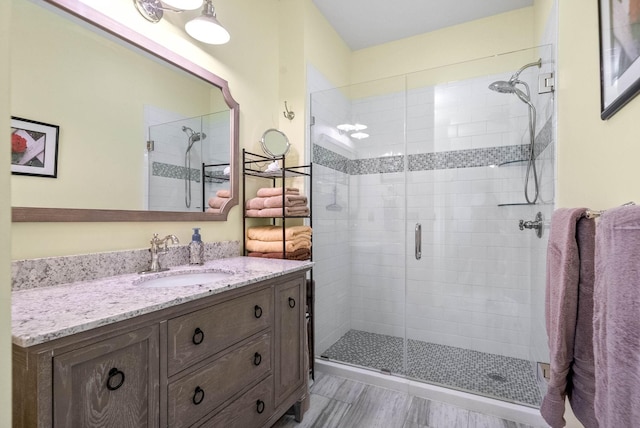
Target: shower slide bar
x=595, y=214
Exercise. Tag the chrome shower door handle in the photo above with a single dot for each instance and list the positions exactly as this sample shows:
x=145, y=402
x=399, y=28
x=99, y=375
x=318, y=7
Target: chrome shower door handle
x=418, y=241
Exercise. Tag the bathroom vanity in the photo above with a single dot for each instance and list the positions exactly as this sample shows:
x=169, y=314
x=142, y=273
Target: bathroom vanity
x=121, y=352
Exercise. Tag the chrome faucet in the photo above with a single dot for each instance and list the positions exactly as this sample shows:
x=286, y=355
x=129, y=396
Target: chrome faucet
x=159, y=248
x=536, y=224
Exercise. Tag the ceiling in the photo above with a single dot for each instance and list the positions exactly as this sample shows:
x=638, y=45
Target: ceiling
x=365, y=23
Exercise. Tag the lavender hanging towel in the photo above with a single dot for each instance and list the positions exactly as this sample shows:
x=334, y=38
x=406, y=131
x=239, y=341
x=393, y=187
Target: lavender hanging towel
x=569, y=314
x=616, y=321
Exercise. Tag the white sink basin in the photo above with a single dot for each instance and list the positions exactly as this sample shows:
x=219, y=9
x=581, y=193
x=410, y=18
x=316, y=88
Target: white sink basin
x=182, y=279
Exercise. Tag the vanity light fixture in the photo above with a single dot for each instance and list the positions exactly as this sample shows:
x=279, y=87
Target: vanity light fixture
x=205, y=28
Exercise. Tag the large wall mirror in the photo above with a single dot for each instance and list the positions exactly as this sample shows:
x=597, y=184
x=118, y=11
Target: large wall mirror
x=110, y=90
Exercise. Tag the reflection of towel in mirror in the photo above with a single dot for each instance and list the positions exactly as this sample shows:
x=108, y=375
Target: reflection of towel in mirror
x=274, y=233
x=213, y=210
x=254, y=245
x=223, y=193
x=266, y=192
x=278, y=212
x=300, y=254
x=218, y=202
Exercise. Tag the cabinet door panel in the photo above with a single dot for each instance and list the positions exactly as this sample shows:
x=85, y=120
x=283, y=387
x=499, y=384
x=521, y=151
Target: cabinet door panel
x=109, y=383
x=195, y=336
x=289, y=360
x=193, y=396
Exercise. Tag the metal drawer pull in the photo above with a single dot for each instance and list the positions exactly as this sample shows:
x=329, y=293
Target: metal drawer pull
x=418, y=240
x=257, y=359
x=198, y=396
x=198, y=336
x=260, y=406
x=112, y=374
x=292, y=302
x=257, y=311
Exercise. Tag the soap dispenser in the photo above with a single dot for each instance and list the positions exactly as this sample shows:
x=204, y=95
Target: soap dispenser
x=196, y=248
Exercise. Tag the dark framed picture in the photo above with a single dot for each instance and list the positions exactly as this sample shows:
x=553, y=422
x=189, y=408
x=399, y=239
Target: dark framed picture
x=34, y=148
x=619, y=54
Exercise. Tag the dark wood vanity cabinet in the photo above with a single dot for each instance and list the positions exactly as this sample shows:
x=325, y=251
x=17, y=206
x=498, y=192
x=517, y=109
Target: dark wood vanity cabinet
x=235, y=359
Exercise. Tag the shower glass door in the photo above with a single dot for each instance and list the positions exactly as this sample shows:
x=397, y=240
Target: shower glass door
x=471, y=321
x=433, y=279
x=359, y=217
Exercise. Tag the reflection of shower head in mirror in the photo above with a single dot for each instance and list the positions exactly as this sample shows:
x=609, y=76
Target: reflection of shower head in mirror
x=193, y=136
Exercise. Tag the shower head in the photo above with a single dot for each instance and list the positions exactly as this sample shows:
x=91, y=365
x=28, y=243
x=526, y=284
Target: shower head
x=197, y=136
x=193, y=136
x=503, y=87
x=509, y=87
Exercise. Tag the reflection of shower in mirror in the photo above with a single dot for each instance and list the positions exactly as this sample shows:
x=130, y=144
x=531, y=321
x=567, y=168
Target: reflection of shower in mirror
x=193, y=138
x=334, y=206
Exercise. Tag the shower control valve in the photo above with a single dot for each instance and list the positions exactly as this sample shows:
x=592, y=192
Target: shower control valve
x=535, y=224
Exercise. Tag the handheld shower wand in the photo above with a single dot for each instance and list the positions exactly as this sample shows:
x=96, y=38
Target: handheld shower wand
x=509, y=87
x=193, y=138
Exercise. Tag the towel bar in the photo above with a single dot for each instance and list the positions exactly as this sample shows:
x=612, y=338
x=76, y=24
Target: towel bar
x=596, y=214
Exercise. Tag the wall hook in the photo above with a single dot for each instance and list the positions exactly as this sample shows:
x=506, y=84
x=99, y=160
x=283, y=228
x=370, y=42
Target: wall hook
x=288, y=114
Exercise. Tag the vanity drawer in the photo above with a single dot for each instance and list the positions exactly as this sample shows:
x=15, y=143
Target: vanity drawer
x=251, y=410
x=198, y=335
x=193, y=396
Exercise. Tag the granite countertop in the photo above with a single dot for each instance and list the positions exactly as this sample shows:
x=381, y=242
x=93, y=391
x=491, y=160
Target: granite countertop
x=39, y=315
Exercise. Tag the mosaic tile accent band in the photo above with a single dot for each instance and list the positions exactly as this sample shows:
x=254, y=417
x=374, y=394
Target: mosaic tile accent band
x=432, y=161
x=504, y=378
x=467, y=158
x=168, y=170
x=325, y=157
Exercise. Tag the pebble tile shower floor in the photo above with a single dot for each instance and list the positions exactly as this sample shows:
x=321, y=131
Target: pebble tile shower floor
x=505, y=378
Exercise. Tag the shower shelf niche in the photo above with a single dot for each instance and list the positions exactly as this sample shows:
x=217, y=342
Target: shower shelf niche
x=513, y=204
x=516, y=162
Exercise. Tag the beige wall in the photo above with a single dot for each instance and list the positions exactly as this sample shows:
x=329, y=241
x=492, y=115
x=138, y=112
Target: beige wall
x=5, y=223
x=597, y=160
x=324, y=48
x=506, y=32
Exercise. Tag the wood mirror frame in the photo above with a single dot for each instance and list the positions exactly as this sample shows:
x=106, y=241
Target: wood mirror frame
x=97, y=19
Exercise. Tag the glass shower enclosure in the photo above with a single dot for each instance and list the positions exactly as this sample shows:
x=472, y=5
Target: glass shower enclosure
x=422, y=270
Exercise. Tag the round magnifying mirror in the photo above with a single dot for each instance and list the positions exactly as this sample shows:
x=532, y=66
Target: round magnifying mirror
x=275, y=143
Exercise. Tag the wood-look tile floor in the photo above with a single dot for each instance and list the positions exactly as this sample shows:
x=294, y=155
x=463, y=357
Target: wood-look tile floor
x=343, y=403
